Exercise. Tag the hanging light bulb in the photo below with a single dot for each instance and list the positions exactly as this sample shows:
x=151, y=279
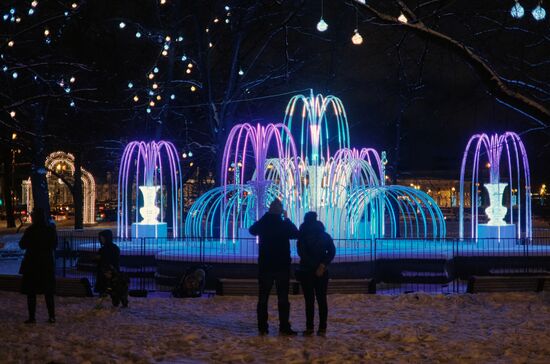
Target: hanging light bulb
x=241, y=72
x=403, y=19
x=357, y=39
x=122, y=25
x=538, y=13
x=517, y=11
x=322, y=25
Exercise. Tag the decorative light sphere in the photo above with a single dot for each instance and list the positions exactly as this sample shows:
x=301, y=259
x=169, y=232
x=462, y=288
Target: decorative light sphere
x=172, y=97
x=517, y=11
x=72, y=79
x=15, y=75
x=12, y=114
x=130, y=85
x=357, y=39
x=241, y=72
x=156, y=70
x=138, y=35
x=190, y=154
x=136, y=98
x=184, y=58
x=122, y=25
x=31, y=11
x=538, y=13
x=148, y=110
x=193, y=89
x=322, y=25
x=72, y=104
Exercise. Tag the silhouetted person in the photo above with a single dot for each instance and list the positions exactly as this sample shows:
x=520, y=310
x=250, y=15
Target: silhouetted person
x=275, y=231
x=108, y=261
x=316, y=250
x=38, y=266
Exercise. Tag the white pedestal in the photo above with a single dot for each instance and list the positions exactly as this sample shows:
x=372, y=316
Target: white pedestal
x=486, y=231
x=158, y=230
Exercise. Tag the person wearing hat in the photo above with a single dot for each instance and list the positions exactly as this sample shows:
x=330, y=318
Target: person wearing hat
x=274, y=230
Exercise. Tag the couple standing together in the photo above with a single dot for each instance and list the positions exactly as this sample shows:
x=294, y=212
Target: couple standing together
x=316, y=250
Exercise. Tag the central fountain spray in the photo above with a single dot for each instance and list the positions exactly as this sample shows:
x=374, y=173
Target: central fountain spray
x=346, y=189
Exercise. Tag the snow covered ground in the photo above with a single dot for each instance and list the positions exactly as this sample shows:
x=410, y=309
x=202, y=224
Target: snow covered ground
x=495, y=328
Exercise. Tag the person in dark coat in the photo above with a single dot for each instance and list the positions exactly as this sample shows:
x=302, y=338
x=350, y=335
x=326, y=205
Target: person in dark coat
x=274, y=230
x=38, y=266
x=316, y=250
x=108, y=260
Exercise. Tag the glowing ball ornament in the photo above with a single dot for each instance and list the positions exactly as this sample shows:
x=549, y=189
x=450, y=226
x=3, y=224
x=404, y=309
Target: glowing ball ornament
x=538, y=13
x=517, y=11
x=322, y=25
x=357, y=39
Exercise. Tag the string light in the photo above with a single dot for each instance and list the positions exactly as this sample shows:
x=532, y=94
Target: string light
x=122, y=25
x=151, y=75
x=517, y=10
x=11, y=43
x=193, y=89
x=241, y=72
x=402, y=18
x=322, y=25
x=46, y=32
x=12, y=114
x=130, y=85
x=136, y=98
x=72, y=79
x=138, y=35
x=538, y=13
x=357, y=39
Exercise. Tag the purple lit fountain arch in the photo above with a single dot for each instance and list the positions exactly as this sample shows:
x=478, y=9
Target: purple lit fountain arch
x=500, y=153
x=150, y=170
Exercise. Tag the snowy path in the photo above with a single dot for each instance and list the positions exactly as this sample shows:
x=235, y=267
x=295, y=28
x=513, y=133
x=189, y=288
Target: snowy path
x=503, y=328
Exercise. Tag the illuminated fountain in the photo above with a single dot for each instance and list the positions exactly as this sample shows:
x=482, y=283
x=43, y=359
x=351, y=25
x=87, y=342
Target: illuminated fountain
x=346, y=188
x=151, y=170
x=503, y=153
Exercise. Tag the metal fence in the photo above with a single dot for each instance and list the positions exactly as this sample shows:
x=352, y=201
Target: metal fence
x=398, y=265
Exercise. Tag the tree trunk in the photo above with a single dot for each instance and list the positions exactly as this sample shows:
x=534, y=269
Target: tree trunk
x=38, y=169
x=7, y=188
x=78, y=195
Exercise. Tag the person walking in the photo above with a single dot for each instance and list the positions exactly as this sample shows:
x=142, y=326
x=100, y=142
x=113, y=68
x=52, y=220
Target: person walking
x=38, y=266
x=108, y=261
x=316, y=250
x=274, y=230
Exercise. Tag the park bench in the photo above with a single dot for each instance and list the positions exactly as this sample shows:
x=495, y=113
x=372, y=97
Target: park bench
x=477, y=284
x=65, y=287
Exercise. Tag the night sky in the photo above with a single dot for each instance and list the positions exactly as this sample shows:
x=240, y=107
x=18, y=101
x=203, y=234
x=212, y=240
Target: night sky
x=394, y=75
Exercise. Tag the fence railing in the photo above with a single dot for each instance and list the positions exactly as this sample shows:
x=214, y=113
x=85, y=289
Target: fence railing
x=393, y=261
